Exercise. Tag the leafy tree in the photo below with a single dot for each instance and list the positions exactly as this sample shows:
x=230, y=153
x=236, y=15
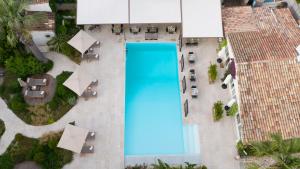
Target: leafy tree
x=16, y=25
x=58, y=43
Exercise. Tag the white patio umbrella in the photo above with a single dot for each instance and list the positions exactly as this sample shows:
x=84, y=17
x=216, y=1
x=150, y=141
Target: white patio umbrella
x=73, y=138
x=79, y=80
x=82, y=41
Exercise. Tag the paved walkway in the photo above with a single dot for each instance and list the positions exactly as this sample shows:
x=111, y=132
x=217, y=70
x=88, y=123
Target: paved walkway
x=217, y=139
x=105, y=114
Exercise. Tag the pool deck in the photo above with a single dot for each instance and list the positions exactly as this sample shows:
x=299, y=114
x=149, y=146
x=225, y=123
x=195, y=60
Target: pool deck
x=105, y=114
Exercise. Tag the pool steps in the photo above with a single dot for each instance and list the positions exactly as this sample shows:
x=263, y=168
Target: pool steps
x=191, y=139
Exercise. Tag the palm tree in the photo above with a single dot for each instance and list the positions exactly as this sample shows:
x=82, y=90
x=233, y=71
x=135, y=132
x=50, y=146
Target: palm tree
x=58, y=43
x=17, y=24
x=280, y=150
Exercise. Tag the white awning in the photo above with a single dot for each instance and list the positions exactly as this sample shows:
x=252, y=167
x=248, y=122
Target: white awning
x=82, y=41
x=73, y=138
x=102, y=12
x=79, y=80
x=155, y=11
x=201, y=18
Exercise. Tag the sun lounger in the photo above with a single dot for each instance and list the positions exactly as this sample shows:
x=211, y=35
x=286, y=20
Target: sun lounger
x=192, y=57
x=194, y=91
x=34, y=94
x=193, y=75
x=91, y=136
x=89, y=93
x=36, y=82
x=87, y=149
x=92, y=56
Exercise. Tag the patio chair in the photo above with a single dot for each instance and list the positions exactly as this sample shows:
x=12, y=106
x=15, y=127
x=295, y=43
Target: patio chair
x=34, y=94
x=87, y=149
x=171, y=29
x=135, y=29
x=192, y=57
x=91, y=136
x=36, y=82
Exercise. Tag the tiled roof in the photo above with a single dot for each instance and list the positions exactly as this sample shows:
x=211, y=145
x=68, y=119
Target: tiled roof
x=238, y=19
x=45, y=24
x=276, y=35
x=268, y=74
x=269, y=99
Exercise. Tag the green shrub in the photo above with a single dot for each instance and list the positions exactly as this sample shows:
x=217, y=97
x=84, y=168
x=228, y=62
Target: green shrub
x=39, y=157
x=233, y=110
x=212, y=73
x=43, y=153
x=218, y=110
x=17, y=104
x=24, y=66
x=63, y=92
x=2, y=128
x=6, y=162
x=54, y=103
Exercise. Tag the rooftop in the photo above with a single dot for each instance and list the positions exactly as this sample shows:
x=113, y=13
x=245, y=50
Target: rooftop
x=264, y=46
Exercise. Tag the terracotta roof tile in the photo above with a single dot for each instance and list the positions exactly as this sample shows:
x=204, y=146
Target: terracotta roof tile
x=268, y=74
x=269, y=99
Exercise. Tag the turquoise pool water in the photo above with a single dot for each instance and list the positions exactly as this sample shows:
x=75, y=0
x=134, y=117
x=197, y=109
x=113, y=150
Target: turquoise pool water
x=153, y=118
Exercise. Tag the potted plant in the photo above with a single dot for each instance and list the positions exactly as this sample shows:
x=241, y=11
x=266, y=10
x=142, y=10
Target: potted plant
x=212, y=73
x=218, y=110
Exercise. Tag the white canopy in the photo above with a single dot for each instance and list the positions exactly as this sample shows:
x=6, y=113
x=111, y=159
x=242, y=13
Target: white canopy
x=201, y=18
x=82, y=41
x=155, y=11
x=102, y=11
x=79, y=80
x=73, y=138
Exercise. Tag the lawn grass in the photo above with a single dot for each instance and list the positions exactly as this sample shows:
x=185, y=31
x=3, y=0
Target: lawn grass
x=43, y=151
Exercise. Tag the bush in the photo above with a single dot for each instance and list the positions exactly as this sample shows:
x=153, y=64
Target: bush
x=218, y=110
x=43, y=153
x=2, y=128
x=24, y=66
x=63, y=92
x=233, y=110
x=17, y=104
x=212, y=73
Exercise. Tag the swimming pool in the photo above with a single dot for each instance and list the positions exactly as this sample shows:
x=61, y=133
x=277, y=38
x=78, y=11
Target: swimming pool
x=153, y=118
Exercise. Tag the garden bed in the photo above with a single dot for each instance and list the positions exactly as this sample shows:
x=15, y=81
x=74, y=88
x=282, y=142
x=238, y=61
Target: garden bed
x=63, y=100
x=42, y=151
x=65, y=29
